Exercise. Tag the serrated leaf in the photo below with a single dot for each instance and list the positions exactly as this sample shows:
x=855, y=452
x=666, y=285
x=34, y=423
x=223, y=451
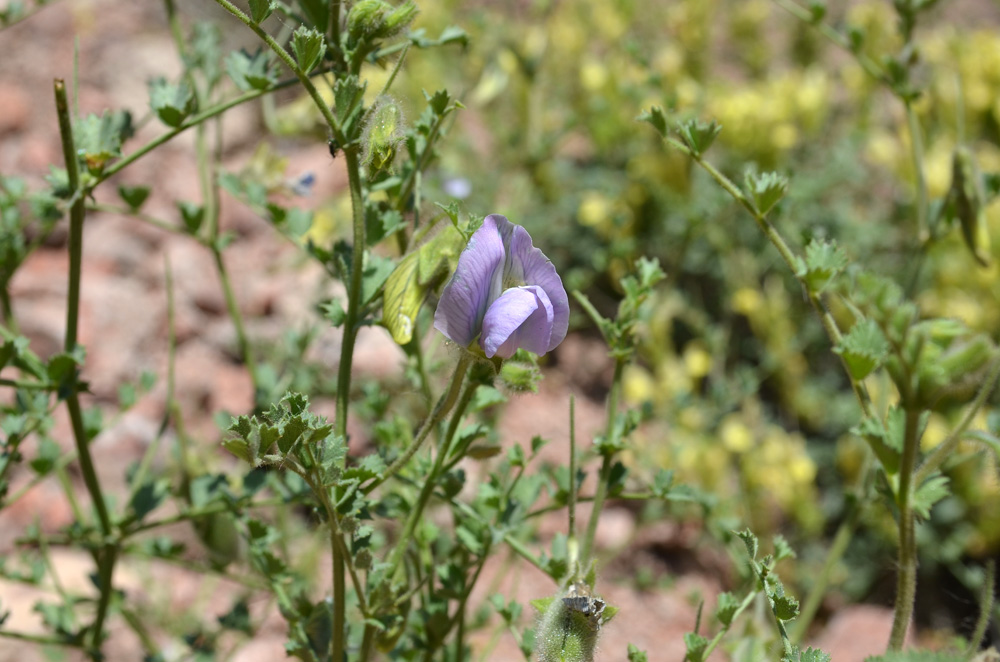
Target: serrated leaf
x=698, y=135
x=750, y=541
x=824, y=260
x=725, y=608
x=171, y=103
x=261, y=9
x=99, y=138
x=863, y=348
x=929, y=493
x=695, y=645
x=655, y=118
x=636, y=655
x=814, y=655
x=782, y=550
x=308, y=46
x=370, y=466
x=766, y=190
x=250, y=71
x=786, y=607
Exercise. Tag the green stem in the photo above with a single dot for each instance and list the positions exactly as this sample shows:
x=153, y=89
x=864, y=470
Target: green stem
x=354, y=288
x=986, y=600
x=906, y=579
x=747, y=601
x=602, y=481
x=946, y=447
x=572, y=544
x=106, y=556
x=917, y=156
x=8, y=311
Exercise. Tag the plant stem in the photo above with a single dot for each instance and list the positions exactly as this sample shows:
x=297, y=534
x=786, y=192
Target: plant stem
x=602, y=480
x=917, y=155
x=906, y=580
x=353, y=290
x=572, y=544
x=986, y=600
x=106, y=555
x=747, y=601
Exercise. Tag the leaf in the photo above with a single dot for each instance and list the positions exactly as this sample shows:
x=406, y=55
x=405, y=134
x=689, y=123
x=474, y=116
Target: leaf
x=864, y=348
x=261, y=9
x=786, y=607
x=485, y=397
x=148, y=498
x=370, y=466
x=699, y=135
x=48, y=455
x=250, y=71
x=171, y=103
x=133, y=196
x=655, y=118
x=636, y=655
x=766, y=190
x=695, y=645
x=308, y=46
x=782, y=550
x=929, y=493
x=725, y=608
x=192, y=214
x=751, y=542
x=824, y=260
x=99, y=138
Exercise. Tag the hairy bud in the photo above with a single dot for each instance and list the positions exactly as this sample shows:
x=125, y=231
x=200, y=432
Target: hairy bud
x=383, y=132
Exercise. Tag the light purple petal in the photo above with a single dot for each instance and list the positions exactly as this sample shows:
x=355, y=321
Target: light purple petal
x=528, y=265
x=521, y=317
x=477, y=282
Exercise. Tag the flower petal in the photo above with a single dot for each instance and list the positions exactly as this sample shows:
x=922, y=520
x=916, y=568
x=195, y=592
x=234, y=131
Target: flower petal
x=521, y=317
x=528, y=264
x=476, y=284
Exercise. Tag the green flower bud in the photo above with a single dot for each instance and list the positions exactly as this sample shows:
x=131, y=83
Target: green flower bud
x=377, y=19
x=570, y=624
x=383, y=132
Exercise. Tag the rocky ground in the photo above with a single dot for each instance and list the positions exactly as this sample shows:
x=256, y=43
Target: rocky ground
x=123, y=326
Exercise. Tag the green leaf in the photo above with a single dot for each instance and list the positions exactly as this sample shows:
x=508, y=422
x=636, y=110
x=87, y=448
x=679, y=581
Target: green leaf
x=782, y=550
x=695, y=645
x=99, y=138
x=370, y=466
x=698, y=135
x=824, y=260
x=192, y=214
x=308, y=46
x=814, y=655
x=864, y=348
x=751, y=542
x=48, y=455
x=484, y=397
x=929, y=493
x=250, y=71
x=766, y=190
x=133, y=196
x=656, y=118
x=238, y=618
x=725, y=608
x=786, y=607
x=636, y=655
x=171, y=103
x=334, y=312
x=148, y=498
x=261, y=9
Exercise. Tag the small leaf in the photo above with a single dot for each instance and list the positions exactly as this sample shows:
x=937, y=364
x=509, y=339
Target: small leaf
x=308, y=46
x=250, y=71
x=192, y=214
x=334, y=312
x=824, y=260
x=766, y=190
x=261, y=9
x=751, y=542
x=133, y=196
x=99, y=138
x=725, y=608
x=929, y=493
x=696, y=645
x=636, y=655
x=863, y=348
x=171, y=103
x=786, y=607
x=698, y=135
x=655, y=118
x=148, y=498
x=48, y=455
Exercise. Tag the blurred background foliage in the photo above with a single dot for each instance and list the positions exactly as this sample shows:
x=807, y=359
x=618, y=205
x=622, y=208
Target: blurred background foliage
x=742, y=396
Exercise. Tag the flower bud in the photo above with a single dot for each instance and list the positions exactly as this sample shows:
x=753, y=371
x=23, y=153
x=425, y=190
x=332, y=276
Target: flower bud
x=377, y=19
x=570, y=624
x=383, y=132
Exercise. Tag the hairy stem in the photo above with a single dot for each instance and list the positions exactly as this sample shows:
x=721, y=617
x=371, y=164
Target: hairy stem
x=906, y=579
x=601, y=494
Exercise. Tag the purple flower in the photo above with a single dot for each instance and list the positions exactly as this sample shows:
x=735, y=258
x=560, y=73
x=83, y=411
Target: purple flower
x=505, y=292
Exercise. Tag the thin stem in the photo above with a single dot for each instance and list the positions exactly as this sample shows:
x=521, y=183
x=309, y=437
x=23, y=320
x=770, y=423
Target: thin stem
x=986, y=600
x=747, y=601
x=946, y=447
x=7, y=310
x=917, y=156
x=603, y=478
x=354, y=288
x=145, y=218
x=906, y=579
x=572, y=542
